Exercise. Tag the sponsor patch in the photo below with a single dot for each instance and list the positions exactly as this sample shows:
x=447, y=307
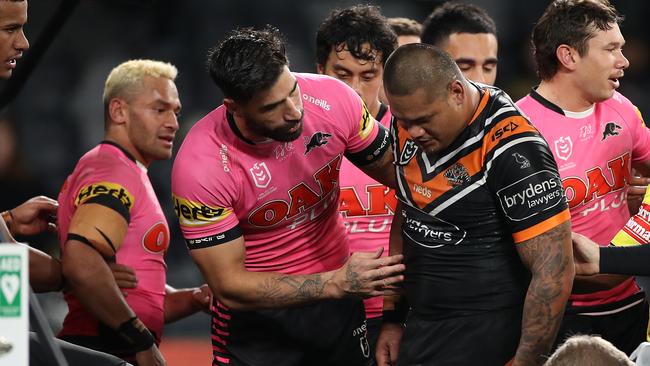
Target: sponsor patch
x=156, y=239
x=105, y=188
x=531, y=195
x=366, y=123
x=433, y=233
x=192, y=213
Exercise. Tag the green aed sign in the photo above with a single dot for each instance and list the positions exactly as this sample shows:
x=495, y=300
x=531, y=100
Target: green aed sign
x=10, y=282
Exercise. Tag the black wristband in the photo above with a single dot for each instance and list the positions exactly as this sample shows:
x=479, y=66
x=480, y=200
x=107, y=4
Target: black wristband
x=628, y=260
x=136, y=334
x=398, y=315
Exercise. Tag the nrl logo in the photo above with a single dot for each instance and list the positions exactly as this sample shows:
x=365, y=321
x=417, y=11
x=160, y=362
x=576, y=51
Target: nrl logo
x=408, y=152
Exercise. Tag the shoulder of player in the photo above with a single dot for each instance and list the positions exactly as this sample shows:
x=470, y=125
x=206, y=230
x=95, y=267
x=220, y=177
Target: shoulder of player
x=619, y=104
x=325, y=92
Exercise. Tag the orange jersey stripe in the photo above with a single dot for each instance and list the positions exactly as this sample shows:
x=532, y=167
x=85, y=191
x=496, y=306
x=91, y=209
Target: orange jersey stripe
x=542, y=227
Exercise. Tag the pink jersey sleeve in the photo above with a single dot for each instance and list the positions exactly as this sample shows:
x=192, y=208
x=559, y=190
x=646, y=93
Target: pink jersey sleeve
x=641, y=150
x=362, y=128
x=204, y=191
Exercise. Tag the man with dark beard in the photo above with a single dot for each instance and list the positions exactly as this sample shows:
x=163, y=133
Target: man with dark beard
x=256, y=190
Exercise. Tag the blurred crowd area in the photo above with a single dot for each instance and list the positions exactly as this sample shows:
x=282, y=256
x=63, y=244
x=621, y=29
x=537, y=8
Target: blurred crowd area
x=59, y=115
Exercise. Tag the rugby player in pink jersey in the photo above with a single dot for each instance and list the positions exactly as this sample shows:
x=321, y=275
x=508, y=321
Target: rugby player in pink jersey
x=108, y=212
x=596, y=135
x=352, y=45
x=256, y=189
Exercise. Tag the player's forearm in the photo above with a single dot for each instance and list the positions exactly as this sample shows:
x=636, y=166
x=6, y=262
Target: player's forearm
x=551, y=264
x=92, y=283
x=179, y=303
x=382, y=170
x=257, y=290
x=44, y=272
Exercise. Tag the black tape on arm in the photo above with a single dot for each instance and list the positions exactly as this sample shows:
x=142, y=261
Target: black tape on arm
x=374, y=151
x=213, y=240
x=113, y=203
x=629, y=260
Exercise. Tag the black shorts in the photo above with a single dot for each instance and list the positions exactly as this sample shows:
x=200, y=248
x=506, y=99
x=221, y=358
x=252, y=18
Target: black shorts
x=626, y=329
x=374, y=327
x=331, y=332
x=488, y=339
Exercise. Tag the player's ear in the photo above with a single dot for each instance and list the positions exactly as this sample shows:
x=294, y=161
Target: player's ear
x=232, y=106
x=567, y=56
x=117, y=110
x=320, y=69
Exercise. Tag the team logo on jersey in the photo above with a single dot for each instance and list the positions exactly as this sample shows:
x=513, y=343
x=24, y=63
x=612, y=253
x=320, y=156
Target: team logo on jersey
x=156, y=239
x=192, y=213
x=521, y=160
x=408, y=152
x=318, y=139
x=261, y=175
x=563, y=147
x=365, y=123
x=457, y=175
x=610, y=130
x=105, y=188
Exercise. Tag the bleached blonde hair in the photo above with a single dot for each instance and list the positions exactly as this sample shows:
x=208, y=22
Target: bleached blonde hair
x=588, y=350
x=126, y=79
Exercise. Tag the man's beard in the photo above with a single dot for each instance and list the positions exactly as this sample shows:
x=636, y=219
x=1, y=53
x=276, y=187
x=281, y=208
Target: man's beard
x=282, y=133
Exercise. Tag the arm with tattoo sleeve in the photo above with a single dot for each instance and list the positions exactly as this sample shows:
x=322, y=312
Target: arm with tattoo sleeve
x=550, y=260
x=362, y=275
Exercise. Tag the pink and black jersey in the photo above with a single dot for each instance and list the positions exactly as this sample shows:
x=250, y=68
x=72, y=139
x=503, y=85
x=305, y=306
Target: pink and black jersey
x=281, y=196
x=110, y=176
x=367, y=208
x=594, y=151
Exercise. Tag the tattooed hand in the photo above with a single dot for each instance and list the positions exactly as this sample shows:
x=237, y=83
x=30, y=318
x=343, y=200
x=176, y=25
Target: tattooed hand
x=366, y=274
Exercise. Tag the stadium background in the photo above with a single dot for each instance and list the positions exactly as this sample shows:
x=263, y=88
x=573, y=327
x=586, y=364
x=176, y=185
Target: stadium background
x=58, y=115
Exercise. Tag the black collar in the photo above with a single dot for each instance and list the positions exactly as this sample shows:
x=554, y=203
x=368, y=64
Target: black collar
x=235, y=129
x=545, y=102
x=382, y=112
x=128, y=154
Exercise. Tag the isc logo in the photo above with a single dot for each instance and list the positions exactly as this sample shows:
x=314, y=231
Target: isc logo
x=507, y=128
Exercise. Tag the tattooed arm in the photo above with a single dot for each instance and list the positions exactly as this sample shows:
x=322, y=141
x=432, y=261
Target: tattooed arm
x=363, y=275
x=550, y=259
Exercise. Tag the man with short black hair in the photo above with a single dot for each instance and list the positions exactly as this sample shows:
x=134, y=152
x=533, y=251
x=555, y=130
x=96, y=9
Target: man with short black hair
x=469, y=35
x=353, y=44
x=483, y=210
x=256, y=186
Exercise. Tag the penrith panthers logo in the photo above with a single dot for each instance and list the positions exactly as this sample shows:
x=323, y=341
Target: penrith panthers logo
x=610, y=130
x=318, y=139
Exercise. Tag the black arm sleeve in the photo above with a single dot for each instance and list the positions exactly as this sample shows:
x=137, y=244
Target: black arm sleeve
x=629, y=260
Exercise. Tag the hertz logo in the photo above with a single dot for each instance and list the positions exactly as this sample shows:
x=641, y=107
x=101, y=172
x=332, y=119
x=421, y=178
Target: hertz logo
x=192, y=213
x=105, y=188
x=366, y=123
